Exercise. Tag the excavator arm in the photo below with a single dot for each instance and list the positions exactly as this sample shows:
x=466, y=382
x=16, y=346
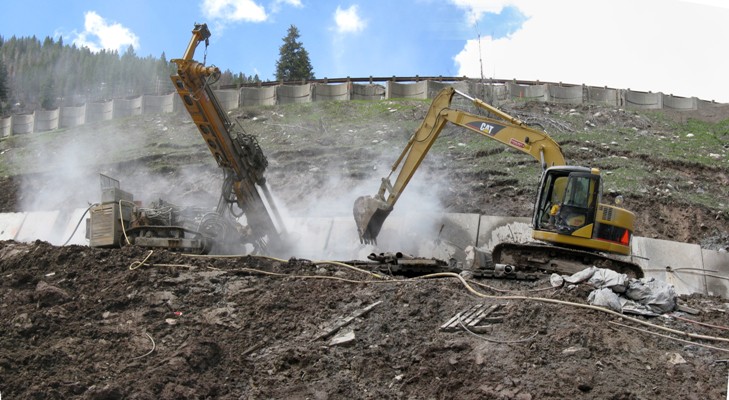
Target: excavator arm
x=235, y=151
x=371, y=212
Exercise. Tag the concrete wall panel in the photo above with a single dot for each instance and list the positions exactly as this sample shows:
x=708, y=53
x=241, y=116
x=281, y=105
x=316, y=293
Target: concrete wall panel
x=73, y=116
x=528, y=92
x=37, y=225
x=10, y=224
x=127, y=107
x=323, y=92
x=684, y=260
x=23, y=123
x=604, y=95
x=565, y=94
x=368, y=92
x=47, y=120
x=68, y=225
x=227, y=98
x=101, y=111
x=418, y=90
x=258, y=96
x=287, y=94
x=158, y=104
x=716, y=266
x=435, y=87
x=494, y=230
x=680, y=103
x=643, y=100
x=6, y=126
x=494, y=94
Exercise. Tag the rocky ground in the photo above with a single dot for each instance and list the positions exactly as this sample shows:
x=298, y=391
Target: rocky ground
x=129, y=323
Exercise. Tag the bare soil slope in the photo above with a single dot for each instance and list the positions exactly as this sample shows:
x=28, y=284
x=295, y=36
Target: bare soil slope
x=80, y=323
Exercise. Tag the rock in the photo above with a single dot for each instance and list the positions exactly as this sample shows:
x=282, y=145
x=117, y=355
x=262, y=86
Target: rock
x=576, y=351
x=675, y=359
x=343, y=338
x=49, y=295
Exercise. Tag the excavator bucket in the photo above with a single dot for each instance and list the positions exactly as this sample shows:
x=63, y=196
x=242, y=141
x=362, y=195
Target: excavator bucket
x=369, y=214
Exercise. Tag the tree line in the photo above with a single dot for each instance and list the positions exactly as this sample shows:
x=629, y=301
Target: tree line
x=46, y=74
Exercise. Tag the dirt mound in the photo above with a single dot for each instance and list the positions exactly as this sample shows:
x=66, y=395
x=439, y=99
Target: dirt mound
x=95, y=323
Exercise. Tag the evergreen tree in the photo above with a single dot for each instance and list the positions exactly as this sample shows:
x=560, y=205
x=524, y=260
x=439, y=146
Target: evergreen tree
x=293, y=63
x=4, y=91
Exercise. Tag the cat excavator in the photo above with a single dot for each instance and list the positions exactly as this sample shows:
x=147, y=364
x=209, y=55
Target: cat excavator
x=572, y=228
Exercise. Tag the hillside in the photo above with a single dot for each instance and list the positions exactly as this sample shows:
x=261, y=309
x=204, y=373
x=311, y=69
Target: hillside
x=129, y=323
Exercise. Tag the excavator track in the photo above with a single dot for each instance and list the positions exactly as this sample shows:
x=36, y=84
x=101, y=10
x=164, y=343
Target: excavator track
x=561, y=260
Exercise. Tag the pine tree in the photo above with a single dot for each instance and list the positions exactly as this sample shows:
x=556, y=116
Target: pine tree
x=4, y=91
x=293, y=63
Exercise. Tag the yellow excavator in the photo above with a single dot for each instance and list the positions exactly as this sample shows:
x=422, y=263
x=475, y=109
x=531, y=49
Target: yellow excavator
x=573, y=228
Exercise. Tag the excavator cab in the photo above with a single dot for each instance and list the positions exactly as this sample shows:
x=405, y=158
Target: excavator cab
x=568, y=197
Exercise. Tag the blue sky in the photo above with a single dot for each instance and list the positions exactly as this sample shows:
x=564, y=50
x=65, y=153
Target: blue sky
x=671, y=46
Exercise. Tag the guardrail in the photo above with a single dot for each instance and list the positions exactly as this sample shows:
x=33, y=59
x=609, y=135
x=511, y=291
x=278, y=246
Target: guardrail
x=493, y=91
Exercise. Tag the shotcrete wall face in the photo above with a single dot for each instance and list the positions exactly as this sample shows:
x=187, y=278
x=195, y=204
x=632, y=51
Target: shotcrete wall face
x=323, y=92
x=680, y=103
x=605, y=95
x=643, y=100
x=227, y=98
x=102, y=111
x=418, y=90
x=47, y=120
x=6, y=126
x=73, y=116
x=530, y=93
x=494, y=94
x=158, y=104
x=288, y=94
x=127, y=107
x=260, y=96
x=435, y=87
x=23, y=123
x=368, y=92
x=565, y=94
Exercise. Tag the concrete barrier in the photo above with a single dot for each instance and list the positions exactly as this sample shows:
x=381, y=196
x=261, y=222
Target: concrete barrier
x=680, y=103
x=565, y=94
x=228, y=98
x=679, y=264
x=23, y=123
x=100, y=111
x=604, y=95
x=47, y=120
x=324, y=92
x=38, y=225
x=643, y=100
x=288, y=94
x=73, y=116
x=528, y=92
x=6, y=126
x=716, y=268
x=368, y=92
x=10, y=224
x=127, y=107
x=258, y=96
x=417, y=90
x=435, y=87
x=158, y=104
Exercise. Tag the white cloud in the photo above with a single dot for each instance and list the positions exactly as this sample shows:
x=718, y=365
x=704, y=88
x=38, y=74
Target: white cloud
x=276, y=5
x=476, y=8
x=222, y=11
x=101, y=34
x=667, y=46
x=348, y=20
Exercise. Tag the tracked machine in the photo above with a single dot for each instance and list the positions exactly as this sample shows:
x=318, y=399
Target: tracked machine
x=572, y=228
x=245, y=195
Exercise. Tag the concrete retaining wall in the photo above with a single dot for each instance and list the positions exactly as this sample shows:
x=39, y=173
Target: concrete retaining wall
x=127, y=107
x=228, y=99
x=566, y=94
x=103, y=111
x=23, y=123
x=529, y=93
x=158, y=104
x=680, y=103
x=368, y=92
x=73, y=116
x=258, y=96
x=47, y=120
x=643, y=100
x=418, y=90
x=339, y=91
x=435, y=87
x=604, y=95
x=6, y=126
x=287, y=94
